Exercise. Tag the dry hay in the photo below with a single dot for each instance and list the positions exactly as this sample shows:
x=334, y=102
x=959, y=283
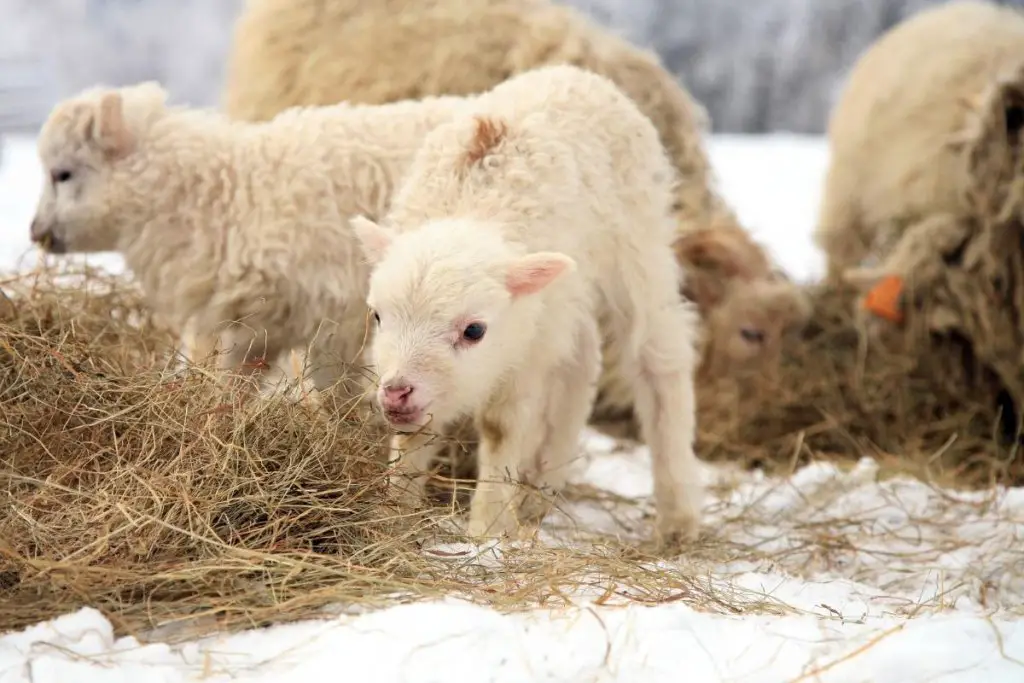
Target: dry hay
x=159, y=497
x=920, y=403
x=153, y=495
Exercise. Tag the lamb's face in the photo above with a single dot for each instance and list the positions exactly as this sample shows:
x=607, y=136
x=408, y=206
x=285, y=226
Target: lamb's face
x=451, y=313
x=73, y=213
x=438, y=343
x=81, y=146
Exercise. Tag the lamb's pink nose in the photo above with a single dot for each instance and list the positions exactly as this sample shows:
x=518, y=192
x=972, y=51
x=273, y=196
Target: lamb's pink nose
x=396, y=395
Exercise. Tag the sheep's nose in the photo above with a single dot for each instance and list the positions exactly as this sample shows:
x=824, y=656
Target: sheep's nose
x=397, y=393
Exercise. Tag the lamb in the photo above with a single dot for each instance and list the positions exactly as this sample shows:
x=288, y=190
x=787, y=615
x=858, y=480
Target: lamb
x=530, y=226
x=225, y=221
x=895, y=134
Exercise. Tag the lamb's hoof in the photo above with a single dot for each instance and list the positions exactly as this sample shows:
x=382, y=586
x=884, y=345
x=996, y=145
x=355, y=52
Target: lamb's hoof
x=527, y=532
x=674, y=532
x=534, y=508
x=482, y=529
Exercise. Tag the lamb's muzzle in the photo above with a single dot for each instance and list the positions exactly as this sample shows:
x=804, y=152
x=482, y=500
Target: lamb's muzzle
x=44, y=234
x=400, y=407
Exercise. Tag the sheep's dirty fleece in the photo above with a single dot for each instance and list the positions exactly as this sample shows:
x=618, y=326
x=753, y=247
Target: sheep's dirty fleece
x=153, y=529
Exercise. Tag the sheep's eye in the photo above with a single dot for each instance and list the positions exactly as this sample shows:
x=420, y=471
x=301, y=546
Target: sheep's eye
x=60, y=175
x=376, y=316
x=474, y=332
x=751, y=335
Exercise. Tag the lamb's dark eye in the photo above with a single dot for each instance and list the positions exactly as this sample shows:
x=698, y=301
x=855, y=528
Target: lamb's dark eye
x=752, y=335
x=376, y=316
x=61, y=175
x=474, y=332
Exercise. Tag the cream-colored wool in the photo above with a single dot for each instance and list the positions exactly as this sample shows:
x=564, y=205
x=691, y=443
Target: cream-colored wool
x=308, y=52
x=522, y=224
x=226, y=221
x=315, y=52
x=896, y=132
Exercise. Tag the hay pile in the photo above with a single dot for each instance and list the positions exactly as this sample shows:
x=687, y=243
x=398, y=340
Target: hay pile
x=176, y=508
x=157, y=496
x=921, y=404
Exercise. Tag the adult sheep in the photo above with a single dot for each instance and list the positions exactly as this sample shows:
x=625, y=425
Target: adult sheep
x=898, y=131
x=923, y=207
x=533, y=224
x=316, y=52
x=224, y=221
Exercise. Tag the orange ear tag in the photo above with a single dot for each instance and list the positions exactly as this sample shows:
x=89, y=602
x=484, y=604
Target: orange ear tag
x=884, y=299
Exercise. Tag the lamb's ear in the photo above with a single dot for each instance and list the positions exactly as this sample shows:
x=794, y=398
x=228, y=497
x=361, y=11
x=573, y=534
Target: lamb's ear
x=711, y=249
x=109, y=130
x=374, y=239
x=534, y=272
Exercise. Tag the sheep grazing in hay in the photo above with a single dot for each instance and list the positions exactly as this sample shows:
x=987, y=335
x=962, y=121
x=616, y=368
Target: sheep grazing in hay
x=531, y=218
x=235, y=230
x=923, y=212
x=314, y=52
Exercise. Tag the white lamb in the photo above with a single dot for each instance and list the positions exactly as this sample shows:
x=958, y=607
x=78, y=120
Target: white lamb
x=542, y=209
x=226, y=221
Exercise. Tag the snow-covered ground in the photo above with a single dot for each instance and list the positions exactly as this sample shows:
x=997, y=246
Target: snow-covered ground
x=880, y=580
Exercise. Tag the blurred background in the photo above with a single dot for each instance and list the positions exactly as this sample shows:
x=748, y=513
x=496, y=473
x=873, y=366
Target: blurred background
x=759, y=66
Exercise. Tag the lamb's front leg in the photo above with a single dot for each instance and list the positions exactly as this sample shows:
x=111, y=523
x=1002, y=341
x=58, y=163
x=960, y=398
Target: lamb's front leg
x=511, y=429
x=411, y=458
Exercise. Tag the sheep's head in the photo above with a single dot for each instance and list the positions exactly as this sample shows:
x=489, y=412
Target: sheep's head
x=85, y=143
x=454, y=309
x=992, y=145
x=747, y=306
x=746, y=331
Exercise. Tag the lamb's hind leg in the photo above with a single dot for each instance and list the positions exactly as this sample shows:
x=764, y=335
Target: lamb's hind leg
x=660, y=341
x=569, y=400
x=247, y=355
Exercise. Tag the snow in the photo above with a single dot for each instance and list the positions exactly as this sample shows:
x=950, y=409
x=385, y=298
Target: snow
x=848, y=576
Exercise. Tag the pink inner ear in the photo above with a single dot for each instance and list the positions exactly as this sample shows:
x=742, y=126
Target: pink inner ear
x=534, y=273
x=373, y=237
